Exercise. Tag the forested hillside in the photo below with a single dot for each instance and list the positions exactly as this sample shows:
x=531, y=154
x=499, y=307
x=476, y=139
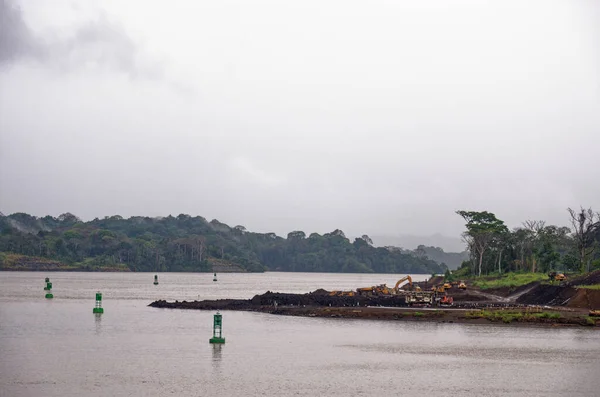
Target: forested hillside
x=452, y=260
x=186, y=243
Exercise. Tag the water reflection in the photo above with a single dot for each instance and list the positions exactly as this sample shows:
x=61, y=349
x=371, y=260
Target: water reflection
x=216, y=352
x=98, y=318
x=216, y=356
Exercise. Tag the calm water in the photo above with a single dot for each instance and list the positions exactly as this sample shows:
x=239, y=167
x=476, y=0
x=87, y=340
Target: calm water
x=59, y=348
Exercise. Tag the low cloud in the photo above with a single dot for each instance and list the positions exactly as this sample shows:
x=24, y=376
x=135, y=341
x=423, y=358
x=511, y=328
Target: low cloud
x=245, y=170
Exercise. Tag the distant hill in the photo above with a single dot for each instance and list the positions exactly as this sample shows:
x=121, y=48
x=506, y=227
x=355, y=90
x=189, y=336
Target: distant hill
x=186, y=243
x=406, y=241
x=452, y=260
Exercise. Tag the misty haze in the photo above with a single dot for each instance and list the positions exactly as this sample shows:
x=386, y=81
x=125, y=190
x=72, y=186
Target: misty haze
x=381, y=118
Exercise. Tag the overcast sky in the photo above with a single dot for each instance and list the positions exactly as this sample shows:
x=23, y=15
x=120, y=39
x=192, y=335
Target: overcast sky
x=377, y=117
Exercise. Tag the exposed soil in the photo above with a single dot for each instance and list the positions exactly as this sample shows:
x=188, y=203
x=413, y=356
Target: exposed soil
x=555, y=295
x=536, y=303
x=320, y=304
x=437, y=315
x=586, y=279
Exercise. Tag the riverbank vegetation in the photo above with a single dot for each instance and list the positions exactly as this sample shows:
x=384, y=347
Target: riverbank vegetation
x=509, y=280
x=186, y=243
x=534, y=247
x=508, y=316
x=594, y=286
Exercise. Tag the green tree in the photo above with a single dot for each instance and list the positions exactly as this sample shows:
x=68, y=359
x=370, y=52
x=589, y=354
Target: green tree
x=586, y=225
x=482, y=228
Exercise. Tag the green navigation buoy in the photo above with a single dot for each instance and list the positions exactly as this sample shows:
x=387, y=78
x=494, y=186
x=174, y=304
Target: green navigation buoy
x=49, y=289
x=98, y=308
x=47, y=280
x=215, y=277
x=156, y=279
x=217, y=329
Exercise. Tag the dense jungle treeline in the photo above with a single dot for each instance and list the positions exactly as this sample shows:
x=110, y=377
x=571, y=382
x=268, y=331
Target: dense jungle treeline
x=186, y=243
x=533, y=247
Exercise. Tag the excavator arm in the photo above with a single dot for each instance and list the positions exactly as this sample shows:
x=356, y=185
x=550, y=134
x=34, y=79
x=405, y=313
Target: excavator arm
x=401, y=281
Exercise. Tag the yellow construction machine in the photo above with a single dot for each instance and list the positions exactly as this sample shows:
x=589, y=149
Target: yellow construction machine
x=383, y=289
x=554, y=276
x=462, y=285
x=342, y=293
x=365, y=291
x=410, y=284
x=447, y=285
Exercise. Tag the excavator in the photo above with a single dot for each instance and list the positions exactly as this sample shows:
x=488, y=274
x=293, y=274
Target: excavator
x=410, y=284
x=383, y=289
x=462, y=285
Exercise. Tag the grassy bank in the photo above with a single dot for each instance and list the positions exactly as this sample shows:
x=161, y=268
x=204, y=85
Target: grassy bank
x=507, y=316
x=510, y=280
x=593, y=286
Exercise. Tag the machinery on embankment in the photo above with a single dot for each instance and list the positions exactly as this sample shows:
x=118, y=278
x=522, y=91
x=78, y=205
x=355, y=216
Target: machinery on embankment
x=414, y=295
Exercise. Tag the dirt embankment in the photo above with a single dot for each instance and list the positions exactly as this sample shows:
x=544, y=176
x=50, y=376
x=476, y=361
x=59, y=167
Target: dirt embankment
x=586, y=279
x=532, y=303
x=318, y=298
x=566, y=294
x=522, y=316
x=319, y=304
x=555, y=295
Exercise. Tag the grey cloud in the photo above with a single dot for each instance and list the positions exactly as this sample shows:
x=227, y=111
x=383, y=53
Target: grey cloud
x=98, y=44
x=16, y=39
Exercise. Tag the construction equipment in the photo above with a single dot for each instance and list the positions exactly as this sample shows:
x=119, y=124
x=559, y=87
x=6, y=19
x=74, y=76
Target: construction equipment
x=410, y=284
x=365, y=291
x=594, y=313
x=342, y=293
x=554, y=276
x=446, y=301
x=383, y=289
x=447, y=285
x=419, y=298
x=462, y=285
